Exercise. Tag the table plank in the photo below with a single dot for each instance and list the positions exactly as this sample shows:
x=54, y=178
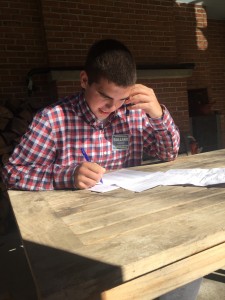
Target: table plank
x=160, y=282
x=81, y=243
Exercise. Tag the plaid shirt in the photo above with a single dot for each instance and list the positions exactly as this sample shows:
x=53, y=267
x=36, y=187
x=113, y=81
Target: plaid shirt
x=49, y=152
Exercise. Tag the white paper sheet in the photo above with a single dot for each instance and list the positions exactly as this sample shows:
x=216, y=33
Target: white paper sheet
x=103, y=188
x=198, y=177
x=123, y=178
x=138, y=181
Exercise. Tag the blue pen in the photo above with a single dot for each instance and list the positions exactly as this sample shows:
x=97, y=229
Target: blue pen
x=87, y=158
x=85, y=155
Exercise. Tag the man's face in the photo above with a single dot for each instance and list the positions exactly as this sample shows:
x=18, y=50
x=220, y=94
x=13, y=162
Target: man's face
x=104, y=97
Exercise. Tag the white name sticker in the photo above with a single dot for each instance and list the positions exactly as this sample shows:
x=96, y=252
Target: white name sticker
x=120, y=141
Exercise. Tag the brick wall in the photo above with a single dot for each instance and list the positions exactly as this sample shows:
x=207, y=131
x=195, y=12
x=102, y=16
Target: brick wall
x=202, y=41
x=57, y=33
x=22, y=47
x=145, y=26
x=217, y=61
x=191, y=38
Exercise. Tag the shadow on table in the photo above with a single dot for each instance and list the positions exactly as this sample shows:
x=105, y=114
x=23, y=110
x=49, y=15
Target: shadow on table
x=63, y=275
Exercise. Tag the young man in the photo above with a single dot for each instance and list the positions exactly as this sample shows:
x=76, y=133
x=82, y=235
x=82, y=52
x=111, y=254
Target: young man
x=112, y=119
x=111, y=122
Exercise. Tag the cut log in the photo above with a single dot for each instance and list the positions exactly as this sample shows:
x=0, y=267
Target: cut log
x=6, y=149
x=5, y=158
x=5, y=113
x=18, y=126
x=9, y=137
x=2, y=142
x=3, y=123
x=26, y=115
x=5, y=116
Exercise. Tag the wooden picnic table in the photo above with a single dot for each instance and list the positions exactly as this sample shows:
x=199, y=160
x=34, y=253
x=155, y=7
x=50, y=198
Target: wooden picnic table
x=123, y=245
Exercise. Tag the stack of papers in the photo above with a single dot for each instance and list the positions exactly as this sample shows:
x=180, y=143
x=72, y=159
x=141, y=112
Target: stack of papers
x=138, y=181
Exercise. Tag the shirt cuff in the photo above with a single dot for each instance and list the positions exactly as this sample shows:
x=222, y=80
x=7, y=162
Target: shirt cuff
x=64, y=177
x=162, y=123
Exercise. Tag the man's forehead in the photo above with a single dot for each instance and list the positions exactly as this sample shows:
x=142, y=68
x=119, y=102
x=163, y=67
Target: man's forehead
x=108, y=88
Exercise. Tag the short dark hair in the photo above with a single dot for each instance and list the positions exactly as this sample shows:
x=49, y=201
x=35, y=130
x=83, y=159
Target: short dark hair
x=112, y=60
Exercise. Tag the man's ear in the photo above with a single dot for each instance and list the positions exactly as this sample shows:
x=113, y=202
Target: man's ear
x=83, y=79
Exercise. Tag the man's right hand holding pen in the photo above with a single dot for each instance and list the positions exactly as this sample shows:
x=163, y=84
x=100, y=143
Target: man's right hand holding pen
x=88, y=174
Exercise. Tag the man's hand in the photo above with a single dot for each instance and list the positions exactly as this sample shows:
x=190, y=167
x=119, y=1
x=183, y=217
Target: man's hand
x=87, y=174
x=142, y=97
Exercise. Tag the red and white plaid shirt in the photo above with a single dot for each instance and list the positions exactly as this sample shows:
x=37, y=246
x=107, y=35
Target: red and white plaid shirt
x=49, y=152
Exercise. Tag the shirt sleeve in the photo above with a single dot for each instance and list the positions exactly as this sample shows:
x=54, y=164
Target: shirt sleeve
x=161, y=137
x=31, y=166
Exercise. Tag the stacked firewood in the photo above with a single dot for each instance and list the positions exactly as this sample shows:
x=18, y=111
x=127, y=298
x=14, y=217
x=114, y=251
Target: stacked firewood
x=14, y=121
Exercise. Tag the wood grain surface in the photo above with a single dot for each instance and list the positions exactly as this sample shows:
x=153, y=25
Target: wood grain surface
x=123, y=245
